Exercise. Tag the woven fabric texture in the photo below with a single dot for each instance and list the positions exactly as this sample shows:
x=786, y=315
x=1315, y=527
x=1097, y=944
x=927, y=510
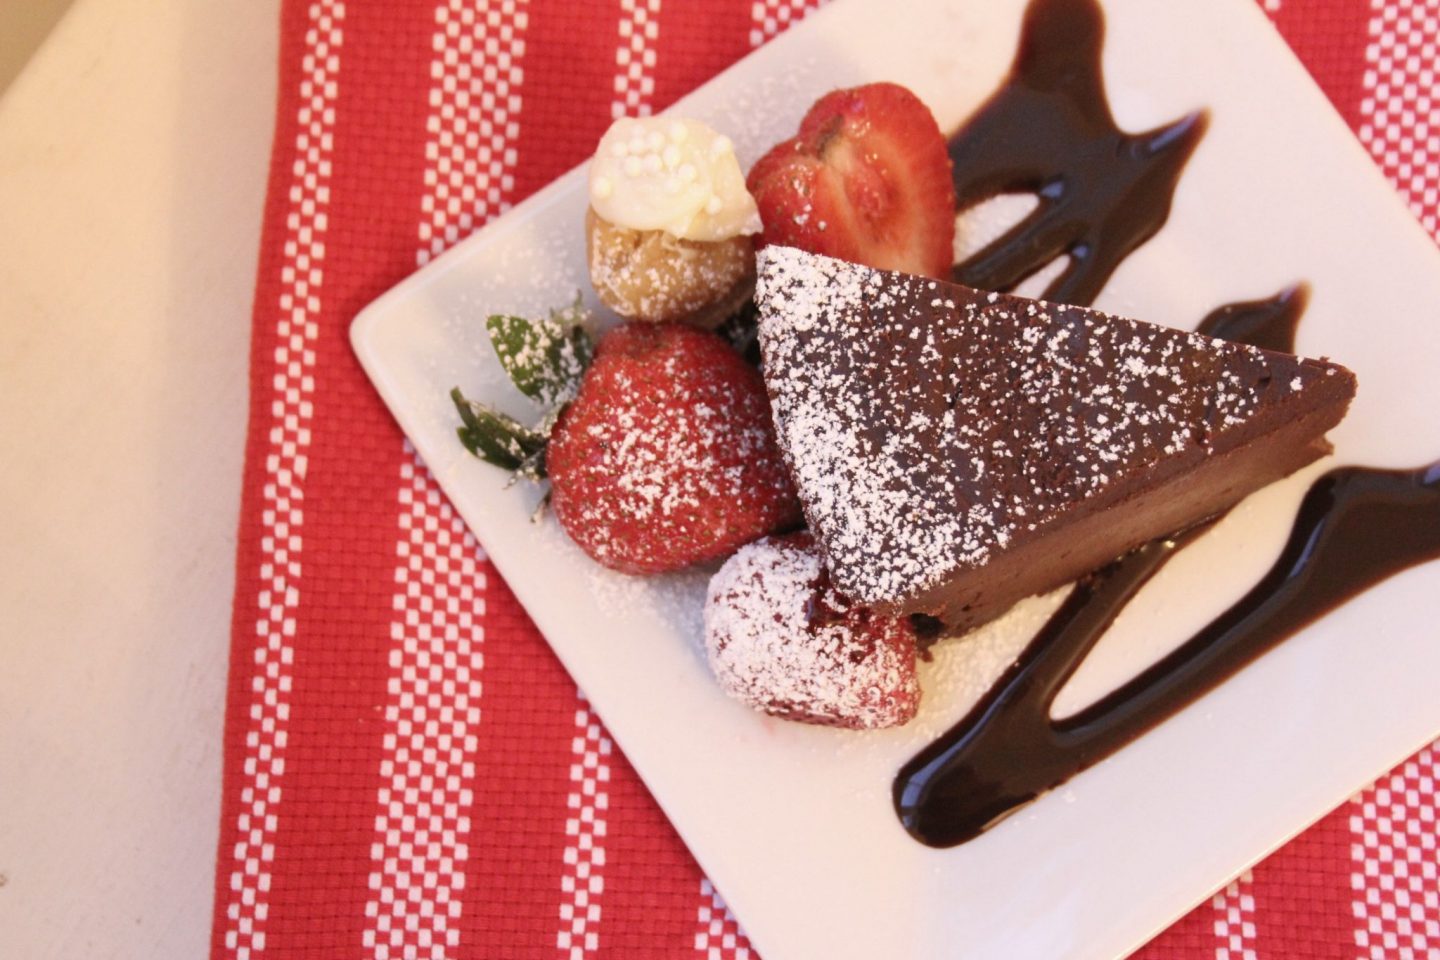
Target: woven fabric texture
x=408, y=770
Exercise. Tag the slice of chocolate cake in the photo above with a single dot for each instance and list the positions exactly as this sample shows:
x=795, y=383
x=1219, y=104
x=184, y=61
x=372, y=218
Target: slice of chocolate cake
x=956, y=451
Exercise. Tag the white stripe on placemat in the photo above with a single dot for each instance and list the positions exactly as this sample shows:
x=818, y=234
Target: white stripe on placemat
x=282, y=516
x=719, y=936
x=431, y=716
x=1235, y=920
x=635, y=58
x=1396, y=859
x=1396, y=862
x=770, y=18
x=474, y=118
x=422, y=828
x=582, y=880
x=1401, y=107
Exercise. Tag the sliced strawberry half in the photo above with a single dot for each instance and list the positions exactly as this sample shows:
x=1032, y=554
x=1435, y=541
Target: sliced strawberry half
x=867, y=179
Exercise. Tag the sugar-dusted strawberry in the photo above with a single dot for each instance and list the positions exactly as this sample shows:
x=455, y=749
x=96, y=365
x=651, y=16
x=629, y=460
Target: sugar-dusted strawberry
x=867, y=179
x=781, y=639
x=667, y=456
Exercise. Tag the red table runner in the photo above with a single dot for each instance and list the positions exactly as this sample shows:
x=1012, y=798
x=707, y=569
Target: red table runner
x=408, y=770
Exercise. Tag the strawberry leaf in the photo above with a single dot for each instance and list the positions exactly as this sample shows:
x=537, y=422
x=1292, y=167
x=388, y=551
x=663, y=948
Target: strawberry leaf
x=543, y=358
x=498, y=439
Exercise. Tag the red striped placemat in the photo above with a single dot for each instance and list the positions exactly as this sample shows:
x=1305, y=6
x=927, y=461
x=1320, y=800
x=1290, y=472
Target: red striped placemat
x=390, y=705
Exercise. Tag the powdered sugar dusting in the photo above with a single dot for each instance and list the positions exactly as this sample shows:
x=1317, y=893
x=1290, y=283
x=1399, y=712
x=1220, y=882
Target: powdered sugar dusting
x=767, y=649
x=667, y=461
x=929, y=426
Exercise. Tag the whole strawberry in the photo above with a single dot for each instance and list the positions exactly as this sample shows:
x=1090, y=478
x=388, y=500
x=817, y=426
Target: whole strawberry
x=667, y=456
x=867, y=179
x=781, y=639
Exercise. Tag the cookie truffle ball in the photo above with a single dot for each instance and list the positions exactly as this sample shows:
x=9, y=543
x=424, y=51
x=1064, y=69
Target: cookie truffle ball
x=670, y=223
x=656, y=276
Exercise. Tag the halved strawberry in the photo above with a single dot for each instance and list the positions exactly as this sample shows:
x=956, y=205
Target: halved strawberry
x=867, y=179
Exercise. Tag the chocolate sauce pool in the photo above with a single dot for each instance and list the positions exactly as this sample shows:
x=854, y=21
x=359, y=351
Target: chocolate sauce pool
x=1048, y=131
x=1356, y=527
x=1102, y=193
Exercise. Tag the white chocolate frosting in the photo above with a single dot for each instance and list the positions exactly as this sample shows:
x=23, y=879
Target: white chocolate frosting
x=670, y=174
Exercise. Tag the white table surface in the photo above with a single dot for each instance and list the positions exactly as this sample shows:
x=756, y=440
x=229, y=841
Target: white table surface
x=133, y=154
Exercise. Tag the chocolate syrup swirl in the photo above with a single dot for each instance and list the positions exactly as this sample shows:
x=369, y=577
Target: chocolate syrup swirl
x=1007, y=750
x=1048, y=131
x=1356, y=527
x=1102, y=193
x=1269, y=324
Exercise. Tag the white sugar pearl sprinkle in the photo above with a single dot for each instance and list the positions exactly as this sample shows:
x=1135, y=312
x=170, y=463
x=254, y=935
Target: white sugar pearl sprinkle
x=602, y=188
x=671, y=157
x=633, y=166
x=687, y=173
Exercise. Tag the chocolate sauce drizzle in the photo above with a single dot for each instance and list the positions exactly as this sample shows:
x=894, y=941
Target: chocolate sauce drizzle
x=1103, y=193
x=1049, y=131
x=1269, y=324
x=1356, y=527
x=1007, y=750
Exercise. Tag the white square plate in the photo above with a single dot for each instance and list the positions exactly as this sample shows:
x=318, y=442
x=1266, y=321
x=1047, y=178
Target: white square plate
x=794, y=823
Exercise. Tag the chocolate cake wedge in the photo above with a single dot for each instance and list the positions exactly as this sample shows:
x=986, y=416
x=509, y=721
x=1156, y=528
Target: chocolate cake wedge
x=956, y=451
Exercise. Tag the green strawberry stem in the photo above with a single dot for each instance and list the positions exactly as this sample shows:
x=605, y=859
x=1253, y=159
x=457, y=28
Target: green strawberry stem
x=545, y=359
x=498, y=439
